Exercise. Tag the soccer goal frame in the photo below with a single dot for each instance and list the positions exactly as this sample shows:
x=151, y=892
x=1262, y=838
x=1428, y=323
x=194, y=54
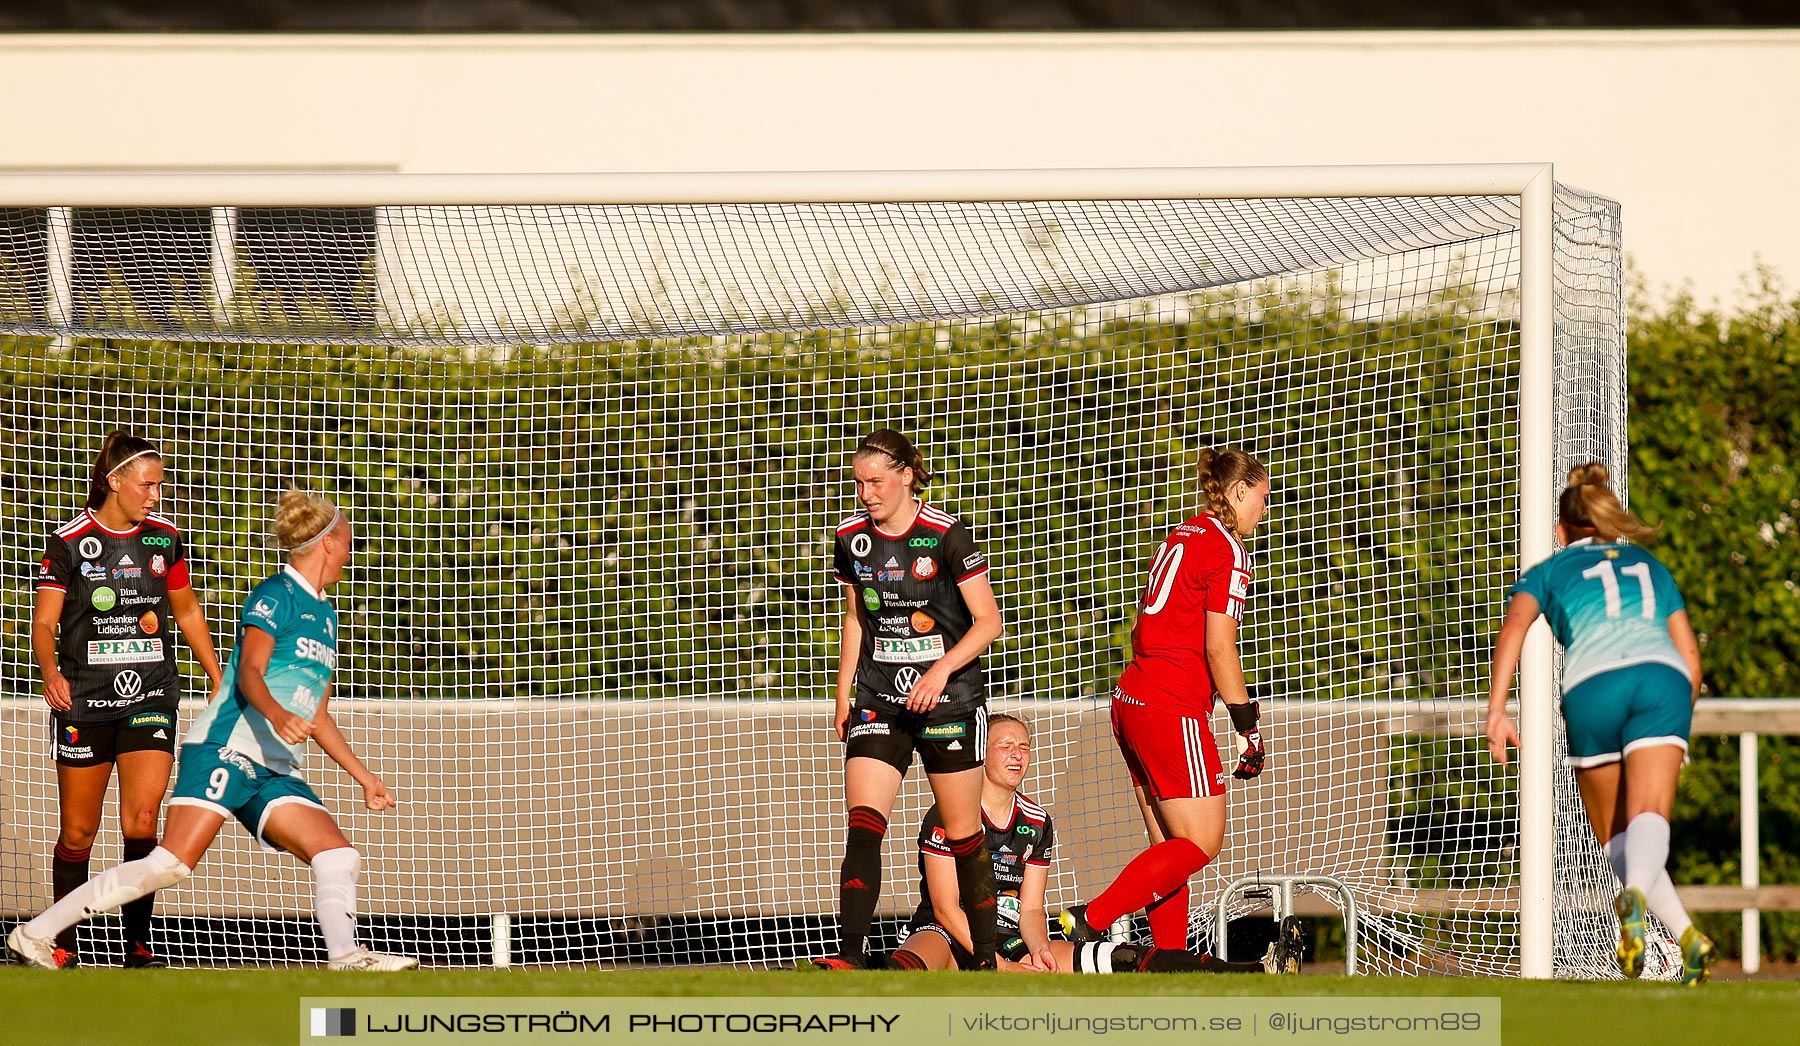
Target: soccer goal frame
x=1531, y=183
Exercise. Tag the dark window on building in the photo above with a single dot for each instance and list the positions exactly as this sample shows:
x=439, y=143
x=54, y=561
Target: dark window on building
x=137, y=267
x=309, y=267
x=23, y=286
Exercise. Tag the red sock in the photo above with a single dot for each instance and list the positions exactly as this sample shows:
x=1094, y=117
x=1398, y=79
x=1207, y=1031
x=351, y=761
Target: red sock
x=1169, y=920
x=1157, y=872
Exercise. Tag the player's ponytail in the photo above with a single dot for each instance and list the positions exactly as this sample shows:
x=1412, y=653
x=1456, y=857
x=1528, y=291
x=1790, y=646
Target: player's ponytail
x=1218, y=471
x=1589, y=504
x=901, y=451
x=121, y=450
x=301, y=519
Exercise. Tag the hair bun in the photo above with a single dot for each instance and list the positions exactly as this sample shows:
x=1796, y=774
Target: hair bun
x=1589, y=474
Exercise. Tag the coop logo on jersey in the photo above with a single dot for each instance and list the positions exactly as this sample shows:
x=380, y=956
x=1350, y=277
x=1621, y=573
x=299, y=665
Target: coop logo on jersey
x=921, y=542
x=1025, y=829
x=156, y=541
x=89, y=548
x=104, y=599
x=860, y=544
x=124, y=651
x=924, y=568
x=128, y=684
x=158, y=565
x=911, y=650
x=923, y=622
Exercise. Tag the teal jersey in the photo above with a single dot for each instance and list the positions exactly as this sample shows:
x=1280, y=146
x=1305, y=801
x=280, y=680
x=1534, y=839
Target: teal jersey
x=1608, y=605
x=304, y=628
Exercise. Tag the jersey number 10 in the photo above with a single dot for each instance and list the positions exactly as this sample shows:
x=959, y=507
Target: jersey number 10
x=1604, y=571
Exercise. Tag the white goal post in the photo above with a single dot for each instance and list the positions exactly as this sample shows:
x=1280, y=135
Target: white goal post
x=1384, y=249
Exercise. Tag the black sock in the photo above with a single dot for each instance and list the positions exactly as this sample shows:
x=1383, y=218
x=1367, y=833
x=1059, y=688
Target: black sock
x=859, y=881
x=1168, y=960
x=136, y=914
x=975, y=889
x=68, y=870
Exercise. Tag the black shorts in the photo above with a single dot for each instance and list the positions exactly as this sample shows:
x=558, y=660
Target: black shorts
x=965, y=960
x=95, y=744
x=945, y=744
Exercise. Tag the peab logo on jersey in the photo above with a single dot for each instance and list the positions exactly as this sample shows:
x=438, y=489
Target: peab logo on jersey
x=124, y=651
x=89, y=548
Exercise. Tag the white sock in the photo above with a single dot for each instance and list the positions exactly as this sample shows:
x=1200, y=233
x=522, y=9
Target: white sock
x=334, y=898
x=1646, y=850
x=1094, y=958
x=1662, y=899
x=1647, y=859
x=123, y=884
x=1615, y=855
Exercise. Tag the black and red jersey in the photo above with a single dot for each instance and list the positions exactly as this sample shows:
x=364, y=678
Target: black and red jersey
x=908, y=591
x=117, y=641
x=1200, y=569
x=1025, y=839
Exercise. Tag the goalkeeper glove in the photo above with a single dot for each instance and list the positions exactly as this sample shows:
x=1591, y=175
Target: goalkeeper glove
x=1250, y=759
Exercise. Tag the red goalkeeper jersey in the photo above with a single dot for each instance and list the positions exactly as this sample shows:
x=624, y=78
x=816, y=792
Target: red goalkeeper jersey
x=1200, y=568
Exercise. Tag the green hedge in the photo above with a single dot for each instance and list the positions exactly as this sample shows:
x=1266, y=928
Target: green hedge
x=653, y=519
x=1715, y=442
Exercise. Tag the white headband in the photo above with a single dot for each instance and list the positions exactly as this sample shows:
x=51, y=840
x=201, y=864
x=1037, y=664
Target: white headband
x=336, y=518
x=131, y=459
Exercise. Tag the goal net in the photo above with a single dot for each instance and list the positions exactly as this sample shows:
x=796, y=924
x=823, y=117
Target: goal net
x=595, y=454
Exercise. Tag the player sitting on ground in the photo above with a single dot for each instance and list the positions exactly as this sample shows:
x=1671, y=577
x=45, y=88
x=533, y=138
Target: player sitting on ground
x=1020, y=840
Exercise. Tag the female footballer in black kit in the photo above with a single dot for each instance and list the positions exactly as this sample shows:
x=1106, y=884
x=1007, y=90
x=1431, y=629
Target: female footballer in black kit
x=919, y=613
x=111, y=583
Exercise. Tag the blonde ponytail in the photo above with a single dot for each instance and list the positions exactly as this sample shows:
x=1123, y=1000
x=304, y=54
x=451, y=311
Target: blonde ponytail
x=1218, y=471
x=1588, y=503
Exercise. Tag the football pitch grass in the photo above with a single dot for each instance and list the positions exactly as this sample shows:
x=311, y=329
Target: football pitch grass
x=243, y=1006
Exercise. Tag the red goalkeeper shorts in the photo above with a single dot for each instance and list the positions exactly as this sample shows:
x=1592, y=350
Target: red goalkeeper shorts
x=1170, y=756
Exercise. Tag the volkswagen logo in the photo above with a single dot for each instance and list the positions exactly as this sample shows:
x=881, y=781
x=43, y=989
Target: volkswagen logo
x=906, y=679
x=128, y=684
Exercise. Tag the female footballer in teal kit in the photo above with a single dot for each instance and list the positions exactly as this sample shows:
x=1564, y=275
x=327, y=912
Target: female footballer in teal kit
x=239, y=757
x=1631, y=674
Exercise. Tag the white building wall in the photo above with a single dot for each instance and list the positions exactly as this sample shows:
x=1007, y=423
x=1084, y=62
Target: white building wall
x=1687, y=129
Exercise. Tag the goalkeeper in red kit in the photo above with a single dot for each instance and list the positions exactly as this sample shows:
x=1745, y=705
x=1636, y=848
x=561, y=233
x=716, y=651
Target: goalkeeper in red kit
x=1184, y=658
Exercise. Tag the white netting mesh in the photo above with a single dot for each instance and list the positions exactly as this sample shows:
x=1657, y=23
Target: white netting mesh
x=595, y=455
